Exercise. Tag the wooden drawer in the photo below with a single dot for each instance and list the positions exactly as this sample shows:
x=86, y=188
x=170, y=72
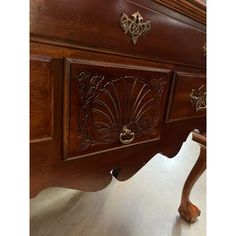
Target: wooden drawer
x=173, y=38
x=109, y=106
x=187, y=98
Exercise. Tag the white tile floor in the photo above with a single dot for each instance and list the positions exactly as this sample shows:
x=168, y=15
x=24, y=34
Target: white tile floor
x=145, y=205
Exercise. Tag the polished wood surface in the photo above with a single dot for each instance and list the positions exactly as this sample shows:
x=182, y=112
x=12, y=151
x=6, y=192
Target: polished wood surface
x=41, y=98
x=45, y=109
x=78, y=53
x=195, y=9
x=104, y=98
x=187, y=209
x=173, y=38
x=180, y=106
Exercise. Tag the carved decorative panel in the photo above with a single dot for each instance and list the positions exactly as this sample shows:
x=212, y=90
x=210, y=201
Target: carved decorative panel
x=113, y=106
x=123, y=102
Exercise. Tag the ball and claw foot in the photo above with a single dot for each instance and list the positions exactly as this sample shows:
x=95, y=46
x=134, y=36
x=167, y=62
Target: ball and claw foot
x=189, y=212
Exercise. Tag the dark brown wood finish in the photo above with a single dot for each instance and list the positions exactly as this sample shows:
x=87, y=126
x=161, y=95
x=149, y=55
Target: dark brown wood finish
x=103, y=98
x=176, y=40
x=41, y=99
x=45, y=108
x=180, y=106
x=195, y=9
x=79, y=47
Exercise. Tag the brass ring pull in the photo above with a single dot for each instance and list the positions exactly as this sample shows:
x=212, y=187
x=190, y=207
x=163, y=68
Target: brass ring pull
x=126, y=132
x=198, y=98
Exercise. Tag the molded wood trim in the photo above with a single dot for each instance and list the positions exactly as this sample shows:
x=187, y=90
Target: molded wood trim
x=194, y=9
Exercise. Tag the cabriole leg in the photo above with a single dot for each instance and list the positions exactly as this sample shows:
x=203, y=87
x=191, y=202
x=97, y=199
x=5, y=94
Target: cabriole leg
x=187, y=210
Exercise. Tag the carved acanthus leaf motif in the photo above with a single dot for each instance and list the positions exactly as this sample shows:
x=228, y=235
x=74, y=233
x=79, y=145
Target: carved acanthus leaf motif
x=158, y=90
x=88, y=85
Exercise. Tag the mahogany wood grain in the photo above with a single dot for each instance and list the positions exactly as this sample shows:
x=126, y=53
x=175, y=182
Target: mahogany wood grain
x=93, y=172
x=195, y=9
x=46, y=108
x=59, y=51
x=41, y=99
x=170, y=40
x=80, y=36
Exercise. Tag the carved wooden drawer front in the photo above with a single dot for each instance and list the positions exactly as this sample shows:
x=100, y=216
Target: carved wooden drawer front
x=109, y=106
x=188, y=97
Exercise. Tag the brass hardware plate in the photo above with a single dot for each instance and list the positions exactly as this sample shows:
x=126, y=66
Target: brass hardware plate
x=135, y=27
x=198, y=98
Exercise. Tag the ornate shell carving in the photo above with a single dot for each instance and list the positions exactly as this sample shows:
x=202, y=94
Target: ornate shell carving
x=109, y=105
x=126, y=101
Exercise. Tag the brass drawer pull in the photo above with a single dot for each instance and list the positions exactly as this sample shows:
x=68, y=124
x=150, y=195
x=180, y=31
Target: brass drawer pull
x=198, y=98
x=126, y=133
x=135, y=27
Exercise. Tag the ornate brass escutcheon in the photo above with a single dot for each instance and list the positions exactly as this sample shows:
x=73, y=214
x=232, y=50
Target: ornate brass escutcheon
x=134, y=26
x=126, y=133
x=198, y=98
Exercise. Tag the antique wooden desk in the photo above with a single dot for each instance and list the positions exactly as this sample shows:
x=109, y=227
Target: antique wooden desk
x=112, y=83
